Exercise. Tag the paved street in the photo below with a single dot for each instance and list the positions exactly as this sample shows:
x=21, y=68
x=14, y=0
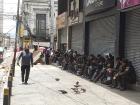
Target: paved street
x=43, y=89
x=6, y=63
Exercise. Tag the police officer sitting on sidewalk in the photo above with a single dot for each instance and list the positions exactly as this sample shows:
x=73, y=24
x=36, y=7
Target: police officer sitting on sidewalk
x=125, y=75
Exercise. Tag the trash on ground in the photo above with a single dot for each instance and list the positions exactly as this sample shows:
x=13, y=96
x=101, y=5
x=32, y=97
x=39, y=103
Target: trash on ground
x=78, y=88
x=63, y=91
x=57, y=79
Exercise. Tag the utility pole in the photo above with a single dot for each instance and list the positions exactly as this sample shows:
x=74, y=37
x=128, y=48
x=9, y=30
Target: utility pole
x=52, y=22
x=16, y=37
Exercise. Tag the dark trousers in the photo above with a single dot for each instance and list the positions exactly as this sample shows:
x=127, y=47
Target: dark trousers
x=25, y=71
x=123, y=81
x=47, y=59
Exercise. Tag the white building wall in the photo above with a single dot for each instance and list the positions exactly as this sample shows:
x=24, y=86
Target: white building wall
x=1, y=16
x=34, y=7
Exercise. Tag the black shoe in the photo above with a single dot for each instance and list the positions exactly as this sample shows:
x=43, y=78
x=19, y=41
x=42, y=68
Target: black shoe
x=118, y=87
x=122, y=89
x=95, y=81
x=26, y=83
x=112, y=86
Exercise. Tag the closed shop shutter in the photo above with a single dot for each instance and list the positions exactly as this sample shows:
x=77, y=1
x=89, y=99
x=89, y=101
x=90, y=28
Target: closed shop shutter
x=132, y=39
x=77, y=38
x=102, y=35
x=63, y=36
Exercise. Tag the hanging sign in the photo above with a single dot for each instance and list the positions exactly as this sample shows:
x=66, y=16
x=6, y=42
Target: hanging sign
x=94, y=6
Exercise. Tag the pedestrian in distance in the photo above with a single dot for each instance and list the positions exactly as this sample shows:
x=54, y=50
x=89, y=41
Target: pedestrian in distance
x=47, y=55
x=26, y=60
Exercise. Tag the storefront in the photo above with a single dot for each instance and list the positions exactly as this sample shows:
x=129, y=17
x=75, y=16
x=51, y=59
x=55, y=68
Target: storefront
x=77, y=38
x=62, y=31
x=132, y=32
x=76, y=26
x=63, y=38
x=101, y=22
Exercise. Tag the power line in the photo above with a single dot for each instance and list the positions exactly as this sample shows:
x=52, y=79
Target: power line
x=9, y=3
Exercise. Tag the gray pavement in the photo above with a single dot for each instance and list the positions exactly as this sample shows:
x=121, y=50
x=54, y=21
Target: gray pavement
x=6, y=64
x=43, y=90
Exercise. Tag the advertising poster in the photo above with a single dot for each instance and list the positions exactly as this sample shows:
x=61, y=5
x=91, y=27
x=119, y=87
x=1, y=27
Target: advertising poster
x=73, y=12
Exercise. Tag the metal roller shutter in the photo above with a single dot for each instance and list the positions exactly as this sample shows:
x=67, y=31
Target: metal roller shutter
x=102, y=36
x=132, y=39
x=63, y=36
x=77, y=38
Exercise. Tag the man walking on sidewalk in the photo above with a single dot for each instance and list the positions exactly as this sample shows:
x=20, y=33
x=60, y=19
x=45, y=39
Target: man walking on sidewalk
x=26, y=61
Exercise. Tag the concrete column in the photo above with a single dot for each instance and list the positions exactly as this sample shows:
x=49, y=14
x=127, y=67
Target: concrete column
x=52, y=22
x=67, y=24
x=67, y=30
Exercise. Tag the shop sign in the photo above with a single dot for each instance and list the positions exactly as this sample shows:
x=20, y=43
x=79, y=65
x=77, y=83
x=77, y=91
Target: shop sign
x=61, y=20
x=73, y=11
x=26, y=42
x=96, y=3
x=122, y=4
x=77, y=20
x=43, y=44
x=94, y=6
x=21, y=29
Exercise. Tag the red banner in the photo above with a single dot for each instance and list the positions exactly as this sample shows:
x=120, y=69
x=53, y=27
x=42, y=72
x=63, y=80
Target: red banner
x=127, y=3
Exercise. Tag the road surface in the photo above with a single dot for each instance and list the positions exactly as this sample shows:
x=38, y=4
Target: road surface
x=47, y=83
x=8, y=56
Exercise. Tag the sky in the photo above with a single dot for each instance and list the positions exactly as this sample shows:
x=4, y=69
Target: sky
x=9, y=24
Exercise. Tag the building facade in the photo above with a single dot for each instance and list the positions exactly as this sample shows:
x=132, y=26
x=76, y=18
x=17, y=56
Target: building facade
x=101, y=27
x=1, y=22
x=100, y=21
x=62, y=25
x=70, y=25
x=75, y=24
x=5, y=40
x=1, y=16
x=37, y=18
x=129, y=32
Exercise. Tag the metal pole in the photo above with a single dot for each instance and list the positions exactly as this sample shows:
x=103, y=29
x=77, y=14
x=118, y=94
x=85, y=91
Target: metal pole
x=52, y=22
x=16, y=37
x=67, y=26
x=84, y=30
